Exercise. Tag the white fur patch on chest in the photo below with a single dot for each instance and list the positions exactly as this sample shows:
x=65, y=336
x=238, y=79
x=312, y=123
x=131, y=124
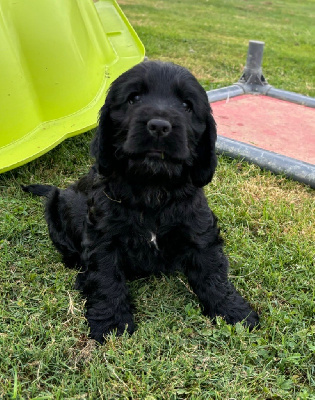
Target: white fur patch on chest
x=153, y=240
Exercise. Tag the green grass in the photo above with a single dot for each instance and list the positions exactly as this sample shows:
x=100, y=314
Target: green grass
x=210, y=37
x=267, y=222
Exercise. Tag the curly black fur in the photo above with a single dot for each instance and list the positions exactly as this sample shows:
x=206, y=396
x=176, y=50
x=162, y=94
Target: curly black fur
x=141, y=208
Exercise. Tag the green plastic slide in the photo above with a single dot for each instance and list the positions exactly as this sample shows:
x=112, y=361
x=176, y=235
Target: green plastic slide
x=57, y=60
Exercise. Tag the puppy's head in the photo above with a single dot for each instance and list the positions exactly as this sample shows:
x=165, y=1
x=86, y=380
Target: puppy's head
x=156, y=122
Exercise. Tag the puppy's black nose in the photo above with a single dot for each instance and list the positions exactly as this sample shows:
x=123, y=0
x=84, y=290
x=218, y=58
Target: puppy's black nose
x=159, y=127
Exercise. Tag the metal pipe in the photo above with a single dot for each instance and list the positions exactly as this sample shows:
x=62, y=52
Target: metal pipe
x=252, y=74
x=277, y=163
x=224, y=93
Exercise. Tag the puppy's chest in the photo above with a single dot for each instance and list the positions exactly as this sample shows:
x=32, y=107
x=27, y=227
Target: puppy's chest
x=158, y=240
x=141, y=233
x=146, y=236
x=145, y=250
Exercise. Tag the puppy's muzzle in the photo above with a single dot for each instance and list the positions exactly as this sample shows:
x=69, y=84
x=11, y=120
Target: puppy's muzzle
x=159, y=128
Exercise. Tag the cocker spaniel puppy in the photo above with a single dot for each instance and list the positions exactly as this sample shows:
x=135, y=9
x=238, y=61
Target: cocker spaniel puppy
x=141, y=209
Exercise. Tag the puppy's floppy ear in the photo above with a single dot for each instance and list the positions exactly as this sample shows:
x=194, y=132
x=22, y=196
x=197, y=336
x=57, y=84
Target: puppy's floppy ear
x=101, y=146
x=205, y=160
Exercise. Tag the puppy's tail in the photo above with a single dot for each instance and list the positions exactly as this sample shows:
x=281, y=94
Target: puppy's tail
x=39, y=190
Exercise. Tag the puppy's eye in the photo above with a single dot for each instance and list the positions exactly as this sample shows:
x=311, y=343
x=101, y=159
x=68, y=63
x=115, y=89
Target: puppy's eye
x=134, y=98
x=187, y=105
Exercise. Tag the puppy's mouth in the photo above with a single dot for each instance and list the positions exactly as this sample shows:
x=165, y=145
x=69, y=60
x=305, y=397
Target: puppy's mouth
x=155, y=153
x=156, y=156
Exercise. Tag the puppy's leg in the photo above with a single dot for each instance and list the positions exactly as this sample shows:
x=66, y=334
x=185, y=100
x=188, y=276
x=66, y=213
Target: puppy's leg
x=209, y=280
x=108, y=307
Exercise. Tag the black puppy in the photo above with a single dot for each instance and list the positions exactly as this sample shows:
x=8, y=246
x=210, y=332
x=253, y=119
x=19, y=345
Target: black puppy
x=141, y=208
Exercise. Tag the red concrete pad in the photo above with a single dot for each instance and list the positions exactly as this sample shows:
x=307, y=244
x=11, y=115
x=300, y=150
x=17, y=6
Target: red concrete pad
x=271, y=124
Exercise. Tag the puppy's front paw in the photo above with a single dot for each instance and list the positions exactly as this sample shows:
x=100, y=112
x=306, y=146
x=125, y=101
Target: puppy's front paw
x=248, y=318
x=99, y=328
x=235, y=309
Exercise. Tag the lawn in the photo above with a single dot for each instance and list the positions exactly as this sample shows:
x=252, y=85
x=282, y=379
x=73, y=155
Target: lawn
x=267, y=222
